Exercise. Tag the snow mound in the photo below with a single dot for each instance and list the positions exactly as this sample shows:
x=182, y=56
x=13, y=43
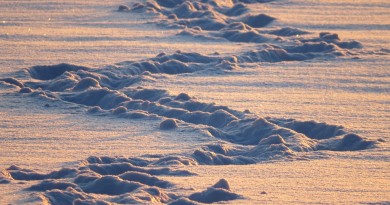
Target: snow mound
x=247, y=36
x=313, y=129
x=18, y=173
x=51, y=72
x=144, y=178
x=236, y=10
x=12, y=81
x=86, y=83
x=233, y=21
x=120, y=168
x=88, y=185
x=175, y=160
x=123, y=8
x=334, y=39
x=218, y=192
x=103, y=98
x=108, y=160
x=183, y=201
x=110, y=185
x=111, y=91
x=168, y=124
x=148, y=195
x=51, y=184
x=288, y=31
x=69, y=196
x=212, y=158
x=352, y=142
x=25, y=90
x=258, y=21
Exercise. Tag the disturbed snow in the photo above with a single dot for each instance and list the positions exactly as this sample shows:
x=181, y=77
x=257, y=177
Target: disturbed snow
x=229, y=136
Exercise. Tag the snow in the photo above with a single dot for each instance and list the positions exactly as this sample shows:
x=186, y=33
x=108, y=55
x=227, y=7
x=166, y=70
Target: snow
x=187, y=102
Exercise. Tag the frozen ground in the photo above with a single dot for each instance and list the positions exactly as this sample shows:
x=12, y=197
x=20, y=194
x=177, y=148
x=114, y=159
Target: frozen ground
x=53, y=125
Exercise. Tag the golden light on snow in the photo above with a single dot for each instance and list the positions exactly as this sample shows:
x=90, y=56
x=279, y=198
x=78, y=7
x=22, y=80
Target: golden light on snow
x=277, y=113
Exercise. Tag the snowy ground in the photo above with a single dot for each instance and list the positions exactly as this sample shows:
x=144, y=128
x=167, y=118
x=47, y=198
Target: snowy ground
x=45, y=134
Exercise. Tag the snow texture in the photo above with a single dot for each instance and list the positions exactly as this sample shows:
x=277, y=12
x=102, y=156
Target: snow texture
x=245, y=138
x=231, y=20
x=116, y=180
x=242, y=138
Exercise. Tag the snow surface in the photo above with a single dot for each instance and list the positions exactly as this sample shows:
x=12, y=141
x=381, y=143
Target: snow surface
x=187, y=102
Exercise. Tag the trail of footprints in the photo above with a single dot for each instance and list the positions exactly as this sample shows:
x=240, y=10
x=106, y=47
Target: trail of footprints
x=243, y=138
x=115, y=180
